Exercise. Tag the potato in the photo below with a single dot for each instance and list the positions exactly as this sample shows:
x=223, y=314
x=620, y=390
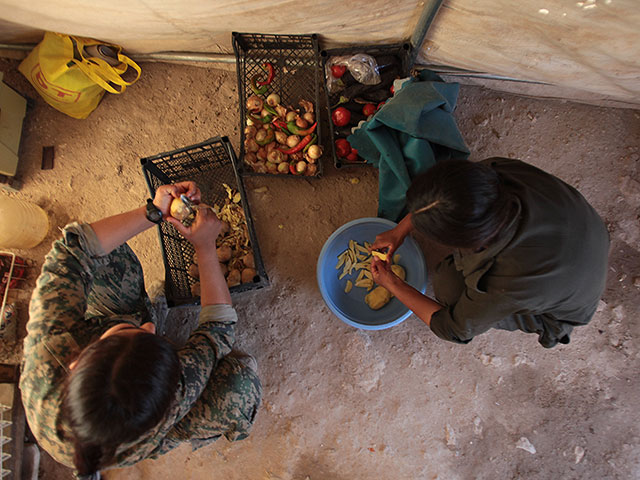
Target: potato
x=178, y=209
x=224, y=253
x=195, y=289
x=377, y=298
x=248, y=275
x=224, y=268
x=225, y=228
x=234, y=278
x=194, y=271
x=248, y=260
x=399, y=271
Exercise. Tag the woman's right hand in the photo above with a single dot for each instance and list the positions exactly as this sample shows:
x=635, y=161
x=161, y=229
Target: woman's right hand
x=203, y=231
x=388, y=241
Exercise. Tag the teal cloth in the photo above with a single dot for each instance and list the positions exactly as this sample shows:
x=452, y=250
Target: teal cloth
x=408, y=135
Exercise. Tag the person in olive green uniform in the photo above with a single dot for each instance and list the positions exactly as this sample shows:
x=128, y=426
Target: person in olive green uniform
x=99, y=388
x=529, y=252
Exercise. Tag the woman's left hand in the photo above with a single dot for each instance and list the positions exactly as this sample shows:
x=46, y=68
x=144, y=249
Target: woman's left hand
x=166, y=193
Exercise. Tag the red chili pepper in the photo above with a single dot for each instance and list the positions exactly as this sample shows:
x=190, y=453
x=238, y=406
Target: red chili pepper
x=299, y=146
x=267, y=67
x=292, y=168
x=296, y=130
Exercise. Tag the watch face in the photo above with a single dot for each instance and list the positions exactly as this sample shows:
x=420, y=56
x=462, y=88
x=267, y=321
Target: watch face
x=153, y=214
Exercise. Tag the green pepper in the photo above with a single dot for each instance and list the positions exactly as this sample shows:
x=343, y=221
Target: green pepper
x=313, y=141
x=256, y=119
x=257, y=90
x=268, y=139
x=296, y=130
x=270, y=109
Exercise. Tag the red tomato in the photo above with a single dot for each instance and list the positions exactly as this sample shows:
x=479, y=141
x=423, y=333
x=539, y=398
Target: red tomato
x=338, y=70
x=343, y=148
x=341, y=116
x=380, y=105
x=368, y=109
x=353, y=155
x=392, y=90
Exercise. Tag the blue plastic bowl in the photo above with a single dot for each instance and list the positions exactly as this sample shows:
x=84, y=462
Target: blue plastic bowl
x=351, y=307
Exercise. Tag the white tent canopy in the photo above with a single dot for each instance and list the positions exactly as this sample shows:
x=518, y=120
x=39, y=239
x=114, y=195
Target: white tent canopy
x=590, y=48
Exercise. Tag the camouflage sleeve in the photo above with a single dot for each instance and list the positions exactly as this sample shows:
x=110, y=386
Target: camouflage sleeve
x=209, y=342
x=59, y=299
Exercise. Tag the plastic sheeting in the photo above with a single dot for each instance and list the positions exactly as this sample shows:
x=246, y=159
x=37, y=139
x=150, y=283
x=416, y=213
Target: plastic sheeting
x=591, y=46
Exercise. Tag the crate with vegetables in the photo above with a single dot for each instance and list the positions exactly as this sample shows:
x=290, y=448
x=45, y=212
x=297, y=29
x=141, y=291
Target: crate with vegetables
x=279, y=84
x=213, y=166
x=359, y=80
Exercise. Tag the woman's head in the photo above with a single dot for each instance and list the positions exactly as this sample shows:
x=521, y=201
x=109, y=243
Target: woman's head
x=459, y=203
x=120, y=387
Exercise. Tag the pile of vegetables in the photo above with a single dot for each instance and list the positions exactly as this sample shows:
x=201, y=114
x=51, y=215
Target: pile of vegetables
x=358, y=257
x=279, y=139
x=233, y=245
x=352, y=102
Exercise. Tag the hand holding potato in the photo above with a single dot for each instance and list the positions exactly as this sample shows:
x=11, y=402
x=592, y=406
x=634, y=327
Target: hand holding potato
x=166, y=193
x=203, y=231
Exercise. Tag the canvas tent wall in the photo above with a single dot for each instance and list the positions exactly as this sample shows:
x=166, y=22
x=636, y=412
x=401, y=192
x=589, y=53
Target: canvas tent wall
x=584, y=49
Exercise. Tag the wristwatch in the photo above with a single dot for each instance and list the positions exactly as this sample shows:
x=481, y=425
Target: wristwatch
x=153, y=213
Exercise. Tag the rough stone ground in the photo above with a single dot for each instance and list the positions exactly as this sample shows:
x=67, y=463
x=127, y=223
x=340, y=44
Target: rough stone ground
x=340, y=403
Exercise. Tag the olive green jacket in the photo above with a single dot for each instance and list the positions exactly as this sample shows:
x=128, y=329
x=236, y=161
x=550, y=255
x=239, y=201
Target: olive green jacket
x=544, y=274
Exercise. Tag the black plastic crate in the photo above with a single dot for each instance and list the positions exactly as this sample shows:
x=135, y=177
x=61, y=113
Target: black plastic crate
x=296, y=59
x=400, y=52
x=209, y=164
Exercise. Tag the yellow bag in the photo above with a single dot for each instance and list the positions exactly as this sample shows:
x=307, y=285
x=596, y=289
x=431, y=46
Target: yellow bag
x=72, y=81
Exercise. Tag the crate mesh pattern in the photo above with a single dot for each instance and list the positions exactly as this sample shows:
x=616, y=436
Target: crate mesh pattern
x=209, y=164
x=296, y=59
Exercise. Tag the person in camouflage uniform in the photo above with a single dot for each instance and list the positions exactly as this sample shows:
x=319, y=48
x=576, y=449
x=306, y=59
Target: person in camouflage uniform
x=92, y=287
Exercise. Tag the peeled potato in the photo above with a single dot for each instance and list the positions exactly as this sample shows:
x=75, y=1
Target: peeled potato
x=377, y=298
x=178, y=209
x=248, y=275
x=224, y=253
x=399, y=271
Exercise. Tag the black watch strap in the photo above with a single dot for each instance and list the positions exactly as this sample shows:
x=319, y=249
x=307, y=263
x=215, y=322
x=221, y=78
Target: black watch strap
x=153, y=213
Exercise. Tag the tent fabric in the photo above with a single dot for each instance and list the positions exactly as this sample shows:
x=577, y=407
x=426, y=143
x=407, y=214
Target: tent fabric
x=592, y=46
x=409, y=134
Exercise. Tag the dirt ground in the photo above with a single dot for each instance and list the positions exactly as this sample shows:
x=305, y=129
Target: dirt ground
x=341, y=403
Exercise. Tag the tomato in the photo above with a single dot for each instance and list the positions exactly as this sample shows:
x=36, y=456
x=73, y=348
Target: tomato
x=343, y=148
x=368, y=109
x=338, y=70
x=353, y=155
x=341, y=116
x=392, y=90
x=380, y=105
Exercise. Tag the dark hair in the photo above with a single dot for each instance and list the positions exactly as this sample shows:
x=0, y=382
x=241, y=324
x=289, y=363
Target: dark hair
x=459, y=203
x=120, y=388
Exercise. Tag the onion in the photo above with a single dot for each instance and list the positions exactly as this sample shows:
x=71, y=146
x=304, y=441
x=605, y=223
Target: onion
x=281, y=137
x=178, y=209
x=293, y=140
x=250, y=158
x=309, y=117
x=308, y=158
x=283, y=167
x=250, y=131
x=311, y=170
x=273, y=100
x=254, y=103
x=271, y=167
x=264, y=113
x=301, y=122
x=291, y=116
x=271, y=147
x=315, y=151
x=301, y=166
x=261, y=135
x=259, y=167
x=251, y=145
x=275, y=156
x=261, y=154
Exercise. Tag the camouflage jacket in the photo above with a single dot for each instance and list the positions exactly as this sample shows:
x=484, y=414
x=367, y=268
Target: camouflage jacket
x=63, y=320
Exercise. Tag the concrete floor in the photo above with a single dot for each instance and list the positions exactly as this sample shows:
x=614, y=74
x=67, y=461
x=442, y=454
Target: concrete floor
x=341, y=403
